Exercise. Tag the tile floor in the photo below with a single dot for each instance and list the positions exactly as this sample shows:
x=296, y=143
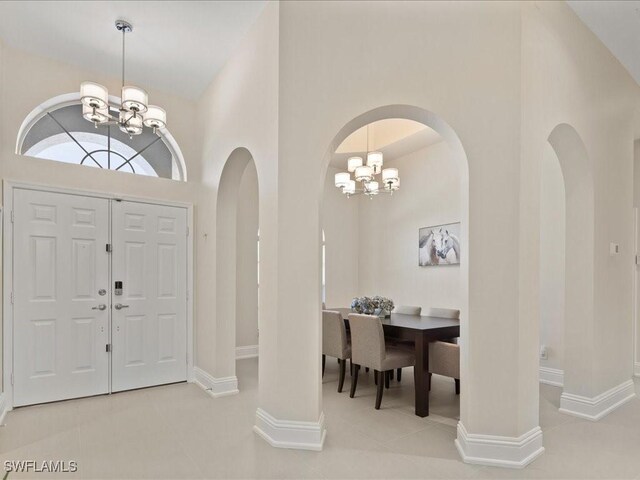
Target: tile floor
x=178, y=431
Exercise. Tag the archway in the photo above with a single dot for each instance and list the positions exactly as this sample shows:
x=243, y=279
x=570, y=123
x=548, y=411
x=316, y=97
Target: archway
x=577, y=173
x=236, y=260
x=457, y=155
x=552, y=269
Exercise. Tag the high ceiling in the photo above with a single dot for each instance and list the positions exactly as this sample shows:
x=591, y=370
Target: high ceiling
x=179, y=46
x=176, y=46
x=617, y=25
x=394, y=137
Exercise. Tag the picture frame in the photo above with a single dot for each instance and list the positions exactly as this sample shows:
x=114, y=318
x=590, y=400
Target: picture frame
x=439, y=245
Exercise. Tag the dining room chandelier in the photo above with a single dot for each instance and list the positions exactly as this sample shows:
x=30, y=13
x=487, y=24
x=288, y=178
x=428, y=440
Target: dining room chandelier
x=134, y=110
x=372, y=179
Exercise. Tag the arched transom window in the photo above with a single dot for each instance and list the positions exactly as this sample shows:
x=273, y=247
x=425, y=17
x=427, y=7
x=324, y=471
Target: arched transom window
x=60, y=133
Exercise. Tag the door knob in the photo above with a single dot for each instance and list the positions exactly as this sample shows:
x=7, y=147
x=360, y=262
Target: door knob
x=102, y=306
x=119, y=306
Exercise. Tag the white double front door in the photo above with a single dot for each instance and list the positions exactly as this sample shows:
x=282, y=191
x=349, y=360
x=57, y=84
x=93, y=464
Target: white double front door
x=74, y=333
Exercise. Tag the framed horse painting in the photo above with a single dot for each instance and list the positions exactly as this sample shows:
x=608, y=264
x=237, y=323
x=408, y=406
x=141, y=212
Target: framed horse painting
x=439, y=245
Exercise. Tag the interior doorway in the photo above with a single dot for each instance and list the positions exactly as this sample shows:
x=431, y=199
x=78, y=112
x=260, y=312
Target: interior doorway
x=373, y=240
x=553, y=244
x=567, y=155
x=237, y=264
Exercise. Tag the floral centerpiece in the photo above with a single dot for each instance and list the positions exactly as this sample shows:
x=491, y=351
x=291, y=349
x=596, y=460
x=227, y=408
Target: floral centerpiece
x=377, y=305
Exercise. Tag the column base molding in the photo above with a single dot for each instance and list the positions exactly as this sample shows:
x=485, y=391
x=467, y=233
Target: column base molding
x=246, y=351
x=594, y=408
x=216, y=387
x=289, y=433
x=498, y=451
x=551, y=376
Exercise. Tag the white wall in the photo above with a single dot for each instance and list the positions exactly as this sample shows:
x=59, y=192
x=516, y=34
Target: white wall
x=372, y=244
x=430, y=195
x=564, y=68
x=247, y=259
x=27, y=80
x=342, y=235
x=470, y=79
x=240, y=109
x=552, y=259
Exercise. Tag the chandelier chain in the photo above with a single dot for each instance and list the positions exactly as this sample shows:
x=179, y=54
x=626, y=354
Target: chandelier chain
x=124, y=32
x=134, y=109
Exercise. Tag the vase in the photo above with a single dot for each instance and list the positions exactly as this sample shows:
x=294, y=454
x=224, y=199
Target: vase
x=382, y=313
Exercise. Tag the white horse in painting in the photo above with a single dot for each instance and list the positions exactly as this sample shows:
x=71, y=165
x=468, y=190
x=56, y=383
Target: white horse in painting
x=428, y=253
x=438, y=248
x=447, y=247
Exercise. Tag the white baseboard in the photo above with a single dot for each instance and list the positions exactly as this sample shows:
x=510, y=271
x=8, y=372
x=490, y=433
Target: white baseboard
x=551, y=376
x=594, y=408
x=290, y=434
x=216, y=387
x=636, y=369
x=3, y=407
x=497, y=451
x=247, y=351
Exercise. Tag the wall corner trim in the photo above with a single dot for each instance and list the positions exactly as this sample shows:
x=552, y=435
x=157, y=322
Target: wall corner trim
x=636, y=369
x=246, y=351
x=216, y=387
x=498, y=451
x=4, y=407
x=289, y=433
x=551, y=376
x=594, y=408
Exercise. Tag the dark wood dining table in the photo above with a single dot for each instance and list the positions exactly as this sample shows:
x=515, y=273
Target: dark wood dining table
x=420, y=330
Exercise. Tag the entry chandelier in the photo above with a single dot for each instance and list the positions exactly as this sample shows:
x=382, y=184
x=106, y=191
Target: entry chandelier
x=134, y=111
x=367, y=175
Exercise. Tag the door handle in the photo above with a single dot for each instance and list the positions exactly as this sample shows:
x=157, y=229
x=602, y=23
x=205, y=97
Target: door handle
x=119, y=306
x=102, y=306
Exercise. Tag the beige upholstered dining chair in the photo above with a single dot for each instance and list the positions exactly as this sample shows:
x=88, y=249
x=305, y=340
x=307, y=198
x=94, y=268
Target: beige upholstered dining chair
x=443, y=313
x=407, y=310
x=369, y=350
x=344, y=311
x=335, y=342
x=444, y=357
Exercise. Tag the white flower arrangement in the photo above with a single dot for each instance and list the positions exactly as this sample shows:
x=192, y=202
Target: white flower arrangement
x=372, y=305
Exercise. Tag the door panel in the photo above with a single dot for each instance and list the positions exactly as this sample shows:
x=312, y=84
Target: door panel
x=59, y=264
x=149, y=257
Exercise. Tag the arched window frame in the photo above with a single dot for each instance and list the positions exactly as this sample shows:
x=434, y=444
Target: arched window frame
x=69, y=99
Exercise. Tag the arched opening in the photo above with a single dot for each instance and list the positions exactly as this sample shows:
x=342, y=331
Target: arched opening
x=372, y=242
x=56, y=130
x=237, y=263
x=553, y=245
x=578, y=245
